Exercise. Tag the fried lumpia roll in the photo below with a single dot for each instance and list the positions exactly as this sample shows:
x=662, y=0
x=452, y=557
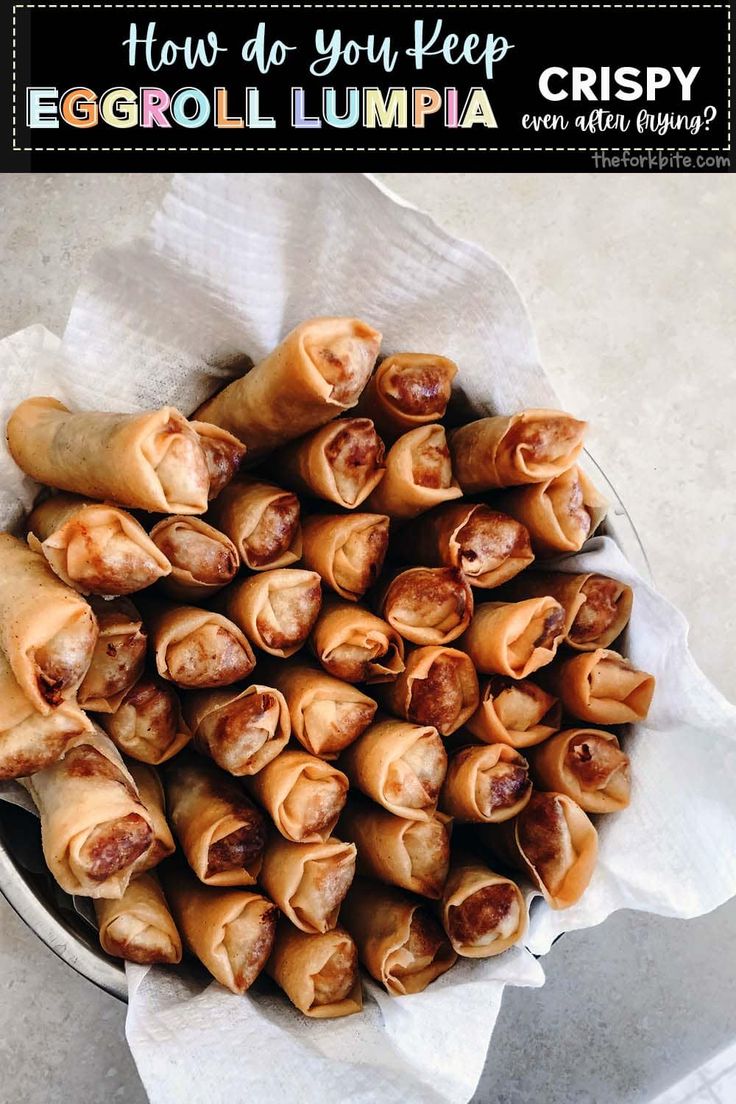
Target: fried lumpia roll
x=597, y=608
x=346, y=550
x=407, y=390
x=197, y=648
x=418, y=475
x=148, y=725
x=528, y=447
x=151, y=794
x=241, y=730
x=275, y=609
x=399, y=765
x=602, y=687
x=150, y=461
x=47, y=631
x=514, y=638
x=221, y=832
x=203, y=560
x=317, y=372
x=553, y=842
x=485, y=784
x=138, y=926
x=353, y=644
x=411, y=854
x=439, y=687
x=230, y=931
x=95, y=548
x=94, y=826
x=399, y=942
x=482, y=912
x=262, y=521
x=341, y=462
x=318, y=972
x=303, y=795
x=223, y=454
x=515, y=712
x=427, y=605
x=586, y=764
x=308, y=881
x=118, y=658
x=327, y=714
x=560, y=514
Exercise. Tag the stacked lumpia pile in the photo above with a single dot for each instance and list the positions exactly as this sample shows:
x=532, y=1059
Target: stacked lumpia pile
x=290, y=683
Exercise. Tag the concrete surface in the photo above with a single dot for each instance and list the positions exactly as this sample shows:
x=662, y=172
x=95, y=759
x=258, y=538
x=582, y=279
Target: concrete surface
x=629, y=282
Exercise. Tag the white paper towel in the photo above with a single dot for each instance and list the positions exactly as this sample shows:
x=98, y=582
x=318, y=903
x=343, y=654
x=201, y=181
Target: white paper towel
x=231, y=263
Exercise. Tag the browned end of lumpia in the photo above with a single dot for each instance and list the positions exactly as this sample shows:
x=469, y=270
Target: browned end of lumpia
x=63, y=660
x=239, y=849
x=274, y=532
x=491, y=913
x=442, y=697
x=488, y=540
x=354, y=454
x=599, y=612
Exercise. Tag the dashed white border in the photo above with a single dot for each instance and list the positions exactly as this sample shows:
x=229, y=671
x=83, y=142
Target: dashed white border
x=375, y=149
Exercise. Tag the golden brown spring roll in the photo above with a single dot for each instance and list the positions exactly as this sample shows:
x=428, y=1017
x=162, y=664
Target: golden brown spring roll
x=418, y=475
x=275, y=609
x=553, y=842
x=303, y=795
x=47, y=631
x=514, y=712
x=203, y=560
x=427, y=605
x=148, y=725
x=411, y=854
x=151, y=794
x=560, y=514
x=327, y=714
x=399, y=942
x=197, y=648
x=482, y=912
x=597, y=608
x=223, y=455
x=486, y=783
x=139, y=927
x=317, y=372
x=151, y=461
x=241, y=730
x=221, y=832
x=514, y=638
x=341, y=462
x=602, y=687
x=93, y=547
x=93, y=825
x=353, y=644
x=308, y=881
x=346, y=550
x=401, y=766
x=318, y=972
x=528, y=447
x=231, y=931
x=439, y=687
x=407, y=390
x=262, y=521
x=118, y=658
x=586, y=764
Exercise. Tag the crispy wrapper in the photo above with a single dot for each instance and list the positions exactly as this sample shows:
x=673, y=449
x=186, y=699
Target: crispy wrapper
x=438, y=687
x=308, y=881
x=275, y=609
x=317, y=372
x=515, y=712
x=203, y=560
x=482, y=912
x=418, y=475
x=514, y=638
x=586, y=764
x=197, y=648
x=262, y=521
x=407, y=390
x=221, y=832
x=560, y=514
x=427, y=605
x=485, y=784
x=47, y=631
x=353, y=644
x=139, y=927
x=148, y=725
x=151, y=793
x=303, y=795
x=601, y=687
x=553, y=842
x=242, y=730
x=597, y=609
x=400, y=765
x=118, y=657
x=223, y=454
x=318, y=972
x=94, y=826
x=528, y=447
x=411, y=854
x=150, y=461
x=341, y=462
x=346, y=550
x=399, y=942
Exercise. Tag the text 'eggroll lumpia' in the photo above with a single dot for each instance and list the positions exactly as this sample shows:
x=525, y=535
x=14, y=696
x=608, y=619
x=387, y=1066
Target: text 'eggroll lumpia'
x=418, y=475
x=597, y=608
x=308, y=881
x=139, y=927
x=427, y=605
x=341, y=462
x=407, y=390
x=275, y=609
x=602, y=687
x=203, y=560
x=197, y=648
x=262, y=521
x=411, y=854
x=482, y=912
x=486, y=783
x=327, y=714
x=241, y=730
x=223, y=454
x=514, y=638
x=586, y=764
x=560, y=514
x=303, y=795
x=318, y=972
x=118, y=657
x=439, y=687
x=147, y=724
x=515, y=712
x=151, y=794
x=353, y=644
x=346, y=550
x=399, y=765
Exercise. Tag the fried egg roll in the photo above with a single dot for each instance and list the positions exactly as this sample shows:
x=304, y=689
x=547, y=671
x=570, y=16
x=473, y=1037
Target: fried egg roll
x=327, y=714
x=151, y=793
x=346, y=550
x=486, y=783
x=197, y=648
x=515, y=712
x=308, y=881
x=353, y=644
x=602, y=687
x=223, y=455
x=411, y=854
x=597, y=608
x=482, y=912
x=318, y=972
x=586, y=764
x=514, y=638
x=341, y=462
x=418, y=475
x=438, y=687
x=203, y=560
x=242, y=730
x=148, y=725
x=399, y=765
x=262, y=521
x=118, y=656
x=138, y=927
x=427, y=605
x=275, y=609
x=407, y=390
x=303, y=795
x=560, y=514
